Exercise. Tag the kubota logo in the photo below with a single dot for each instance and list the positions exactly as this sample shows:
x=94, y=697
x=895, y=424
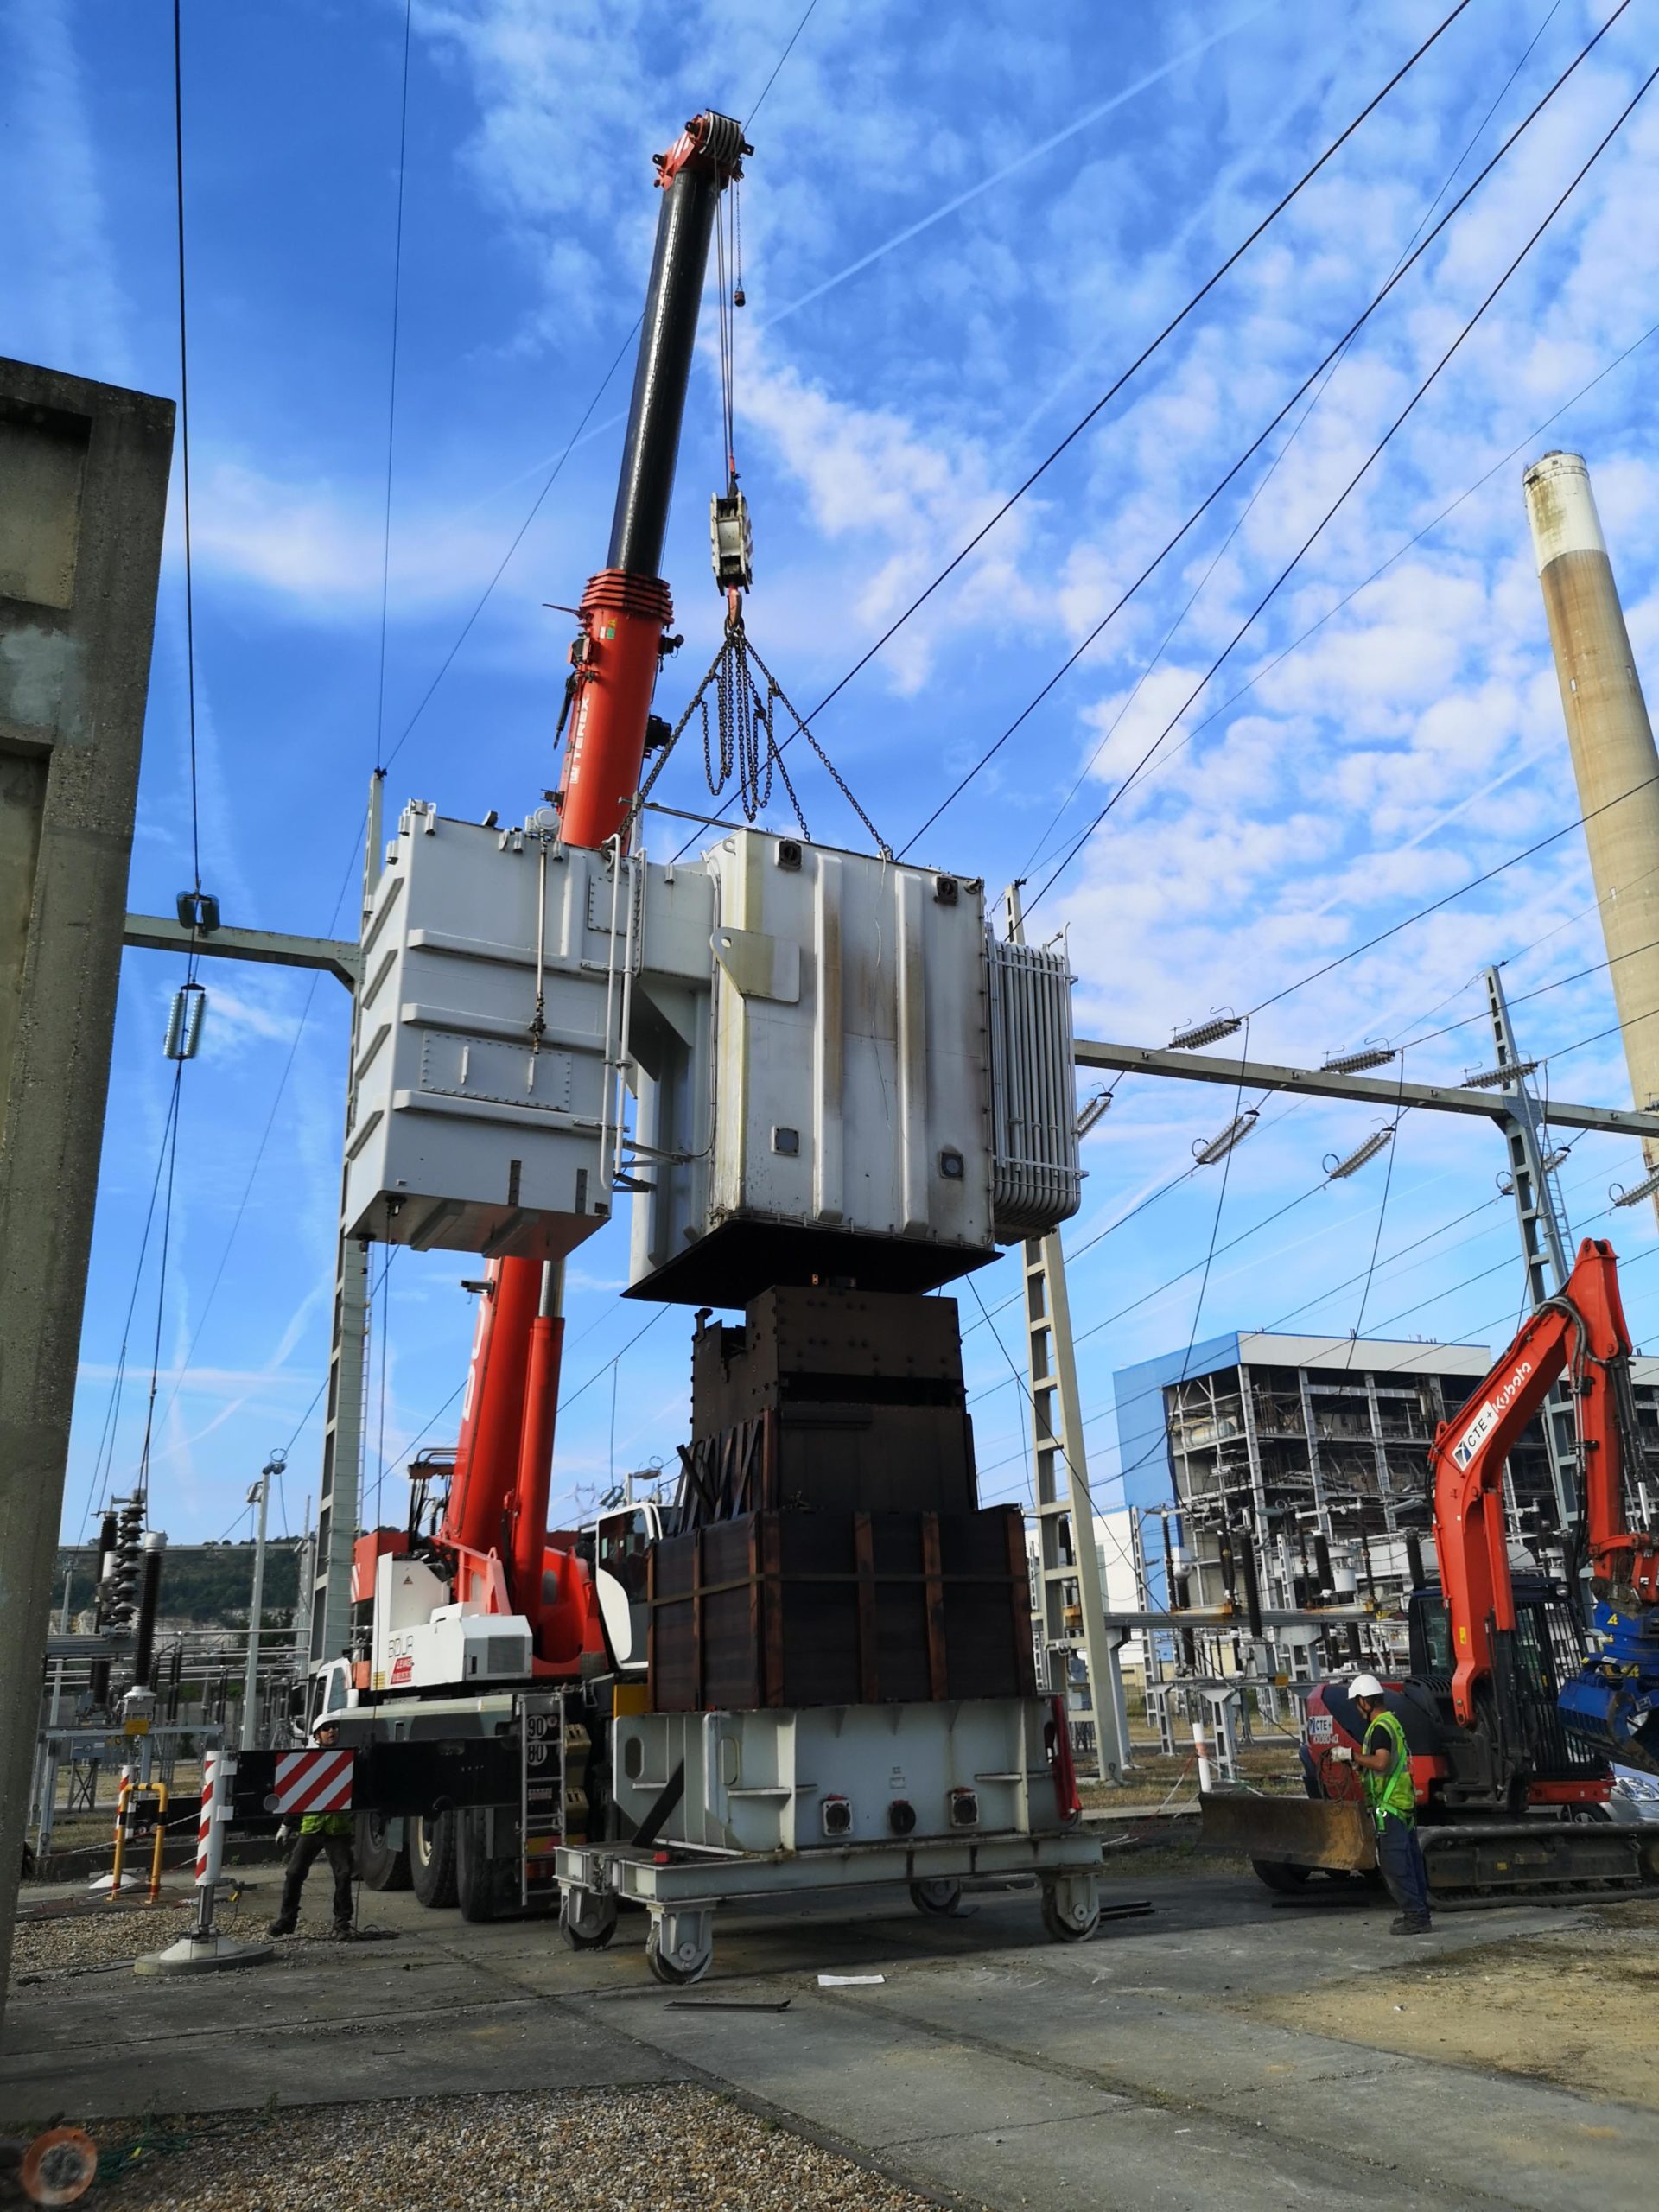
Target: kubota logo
x=1488, y=1416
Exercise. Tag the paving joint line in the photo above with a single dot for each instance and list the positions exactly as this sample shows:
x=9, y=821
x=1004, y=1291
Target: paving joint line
x=1151, y=2099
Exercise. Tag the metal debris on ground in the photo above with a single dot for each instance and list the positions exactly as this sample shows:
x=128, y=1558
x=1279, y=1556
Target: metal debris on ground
x=676, y=2149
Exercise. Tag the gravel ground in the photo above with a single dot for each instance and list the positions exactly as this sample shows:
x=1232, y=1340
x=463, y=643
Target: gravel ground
x=104, y=1937
x=670, y=2150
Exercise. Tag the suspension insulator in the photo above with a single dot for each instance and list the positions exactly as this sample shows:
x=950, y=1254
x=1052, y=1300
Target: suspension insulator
x=184, y=1022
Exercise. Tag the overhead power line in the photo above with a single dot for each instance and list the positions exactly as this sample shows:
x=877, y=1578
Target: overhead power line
x=1139, y=362
x=392, y=385
x=551, y=479
x=1370, y=462
x=1277, y=660
x=1327, y=375
x=184, y=447
x=777, y=66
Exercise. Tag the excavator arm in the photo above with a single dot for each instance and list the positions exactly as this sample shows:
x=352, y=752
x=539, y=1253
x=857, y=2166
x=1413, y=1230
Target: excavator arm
x=1582, y=1330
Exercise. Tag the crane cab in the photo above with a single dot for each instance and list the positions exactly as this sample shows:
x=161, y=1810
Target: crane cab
x=622, y=1542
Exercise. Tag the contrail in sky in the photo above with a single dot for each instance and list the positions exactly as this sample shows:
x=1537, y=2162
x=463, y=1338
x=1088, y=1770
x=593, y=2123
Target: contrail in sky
x=961, y=199
x=1023, y=161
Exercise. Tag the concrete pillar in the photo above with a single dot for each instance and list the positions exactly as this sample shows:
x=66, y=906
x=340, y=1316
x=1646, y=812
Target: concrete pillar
x=1613, y=756
x=83, y=497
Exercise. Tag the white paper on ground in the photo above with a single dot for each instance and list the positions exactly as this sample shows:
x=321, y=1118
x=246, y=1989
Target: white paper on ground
x=850, y=1980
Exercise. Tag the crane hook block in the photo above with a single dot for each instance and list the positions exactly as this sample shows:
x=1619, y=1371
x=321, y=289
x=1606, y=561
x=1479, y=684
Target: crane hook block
x=732, y=541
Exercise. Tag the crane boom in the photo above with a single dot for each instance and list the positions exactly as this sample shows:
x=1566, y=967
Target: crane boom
x=499, y=1492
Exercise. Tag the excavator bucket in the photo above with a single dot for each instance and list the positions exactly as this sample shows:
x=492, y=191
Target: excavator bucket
x=1288, y=1831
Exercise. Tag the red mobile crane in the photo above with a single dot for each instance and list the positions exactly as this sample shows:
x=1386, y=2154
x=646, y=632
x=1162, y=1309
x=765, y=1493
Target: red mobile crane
x=499, y=1491
x=1511, y=1721
x=491, y=1551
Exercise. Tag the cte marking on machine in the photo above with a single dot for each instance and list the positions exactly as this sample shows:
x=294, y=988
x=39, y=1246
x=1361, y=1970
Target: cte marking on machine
x=1487, y=1418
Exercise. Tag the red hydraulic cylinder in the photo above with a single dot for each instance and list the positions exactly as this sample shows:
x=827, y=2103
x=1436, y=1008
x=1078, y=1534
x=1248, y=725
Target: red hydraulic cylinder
x=535, y=1471
x=624, y=618
x=492, y=1412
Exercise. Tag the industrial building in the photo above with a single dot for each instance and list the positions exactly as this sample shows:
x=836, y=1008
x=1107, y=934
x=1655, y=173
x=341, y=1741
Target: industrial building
x=1313, y=1449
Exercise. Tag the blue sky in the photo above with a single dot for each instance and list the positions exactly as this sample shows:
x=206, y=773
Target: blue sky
x=957, y=230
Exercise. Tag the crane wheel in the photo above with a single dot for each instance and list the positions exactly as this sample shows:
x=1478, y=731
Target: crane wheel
x=485, y=1885
x=432, y=1859
x=677, y=1976
x=382, y=1866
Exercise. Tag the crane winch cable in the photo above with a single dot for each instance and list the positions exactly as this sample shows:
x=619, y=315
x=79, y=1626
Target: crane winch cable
x=558, y=466
x=1139, y=362
x=1353, y=482
x=1326, y=362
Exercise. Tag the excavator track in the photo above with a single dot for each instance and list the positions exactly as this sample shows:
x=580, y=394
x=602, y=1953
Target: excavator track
x=1564, y=1858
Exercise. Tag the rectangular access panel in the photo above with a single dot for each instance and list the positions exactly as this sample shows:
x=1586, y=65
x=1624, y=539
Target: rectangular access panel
x=487, y=1035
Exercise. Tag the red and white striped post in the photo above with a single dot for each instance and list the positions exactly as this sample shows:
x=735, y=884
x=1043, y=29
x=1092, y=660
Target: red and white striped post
x=216, y=1769
x=204, y=1948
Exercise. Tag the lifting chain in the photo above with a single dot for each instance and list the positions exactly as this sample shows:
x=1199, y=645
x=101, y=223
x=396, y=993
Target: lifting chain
x=743, y=743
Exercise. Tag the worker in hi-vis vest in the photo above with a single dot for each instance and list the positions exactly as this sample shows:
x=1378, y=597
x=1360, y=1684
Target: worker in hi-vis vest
x=1385, y=1763
x=320, y=1833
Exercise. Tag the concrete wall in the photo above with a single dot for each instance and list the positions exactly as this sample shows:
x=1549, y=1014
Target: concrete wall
x=83, y=497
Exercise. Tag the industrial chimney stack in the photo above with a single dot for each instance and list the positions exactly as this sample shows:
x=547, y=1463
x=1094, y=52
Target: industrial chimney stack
x=1614, y=755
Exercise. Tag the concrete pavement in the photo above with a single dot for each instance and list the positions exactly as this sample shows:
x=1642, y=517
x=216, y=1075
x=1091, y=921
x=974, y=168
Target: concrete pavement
x=990, y=2066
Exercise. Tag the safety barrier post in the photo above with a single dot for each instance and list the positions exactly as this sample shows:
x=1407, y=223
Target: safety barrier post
x=217, y=1770
x=122, y=1797
x=160, y=1791
x=204, y=1948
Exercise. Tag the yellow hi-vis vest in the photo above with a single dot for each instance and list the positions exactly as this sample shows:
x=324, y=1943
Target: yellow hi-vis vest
x=1390, y=1791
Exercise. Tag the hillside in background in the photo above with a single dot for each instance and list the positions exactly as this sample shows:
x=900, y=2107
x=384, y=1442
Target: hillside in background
x=206, y=1586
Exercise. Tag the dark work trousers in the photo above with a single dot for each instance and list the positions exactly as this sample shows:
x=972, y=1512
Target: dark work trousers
x=304, y=1855
x=1399, y=1856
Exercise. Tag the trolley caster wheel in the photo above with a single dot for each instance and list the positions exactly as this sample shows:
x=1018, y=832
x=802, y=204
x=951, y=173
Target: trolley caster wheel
x=586, y=1919
x=939, y=1899
x=679, y=1948
x=1071, y=1908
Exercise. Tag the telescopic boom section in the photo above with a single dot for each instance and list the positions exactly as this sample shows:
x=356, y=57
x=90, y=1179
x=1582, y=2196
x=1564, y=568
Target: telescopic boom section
x=498, y=1498
x=626, y=608
x=1582, y=1326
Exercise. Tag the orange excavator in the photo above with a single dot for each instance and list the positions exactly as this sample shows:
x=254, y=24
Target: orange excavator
x=1511, y=1717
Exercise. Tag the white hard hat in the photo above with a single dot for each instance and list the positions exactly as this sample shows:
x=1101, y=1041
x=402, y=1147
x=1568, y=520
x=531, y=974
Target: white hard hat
x=1364, y=1686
